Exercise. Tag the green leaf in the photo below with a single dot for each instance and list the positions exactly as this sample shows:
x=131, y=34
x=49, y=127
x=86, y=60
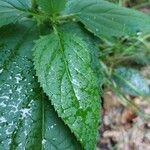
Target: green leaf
x=52, y=6
x=131, y=82
x=78, y=30
x=27, y=119
x=106, y=19
x=63, y=65
x=12, y=11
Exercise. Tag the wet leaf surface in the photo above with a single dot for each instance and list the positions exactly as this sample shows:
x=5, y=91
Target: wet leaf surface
x=63, y=65
x=27, y=119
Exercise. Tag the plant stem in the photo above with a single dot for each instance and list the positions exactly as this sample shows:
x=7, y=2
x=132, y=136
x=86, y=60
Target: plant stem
x=34, y=5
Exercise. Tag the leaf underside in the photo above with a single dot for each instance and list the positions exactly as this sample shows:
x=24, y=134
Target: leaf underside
x=108, y=20
x=63, y=65
x=131, y=82
x=27, y=119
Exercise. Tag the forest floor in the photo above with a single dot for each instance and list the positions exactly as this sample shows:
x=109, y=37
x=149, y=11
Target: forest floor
x=122, y=128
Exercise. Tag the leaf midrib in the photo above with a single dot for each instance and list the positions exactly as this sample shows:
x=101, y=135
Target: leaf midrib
x=66, y=63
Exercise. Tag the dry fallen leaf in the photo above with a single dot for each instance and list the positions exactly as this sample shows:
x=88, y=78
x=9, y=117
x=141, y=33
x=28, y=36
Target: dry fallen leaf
x=122, y=129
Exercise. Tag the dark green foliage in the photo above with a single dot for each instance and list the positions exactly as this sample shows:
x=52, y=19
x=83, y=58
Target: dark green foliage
x=105, y=19
x=47, y=43
x=12, y=11
x=27, y=119
x=68, y=79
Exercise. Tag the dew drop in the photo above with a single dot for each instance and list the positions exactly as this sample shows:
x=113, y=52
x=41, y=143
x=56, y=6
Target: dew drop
x=80, y=107
x=31, y=90
x=139, y=33
x=20, y=144
x=10, y=77
x=2, y=120
x=43, y=141
x=74, y=81
x=2, y=104
x=18, y=79
x=19, y=89
x=1, y=70
x=74, y=19
x=10, y=91
x=8, y=132
x=97, y=29
x=25, y=112
x=25, y=133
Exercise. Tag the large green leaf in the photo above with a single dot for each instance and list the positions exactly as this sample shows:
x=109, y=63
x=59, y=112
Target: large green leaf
x=107, y=19
x=92, y=41
x=27, y=120
x=13, y=10
x=52, y=6
x=63, y=65
x=131, y=82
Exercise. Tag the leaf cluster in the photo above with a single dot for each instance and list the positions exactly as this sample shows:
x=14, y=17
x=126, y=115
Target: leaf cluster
x=56, y=57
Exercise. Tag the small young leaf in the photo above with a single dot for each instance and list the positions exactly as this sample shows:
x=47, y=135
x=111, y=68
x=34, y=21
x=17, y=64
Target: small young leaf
x=131, y=82
x=63, y=65
x=52, y=6
x=107, y=19
x=12, y=11
x=27, y=120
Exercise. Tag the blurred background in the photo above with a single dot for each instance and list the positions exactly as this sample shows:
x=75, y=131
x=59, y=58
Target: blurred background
x=125, y=121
